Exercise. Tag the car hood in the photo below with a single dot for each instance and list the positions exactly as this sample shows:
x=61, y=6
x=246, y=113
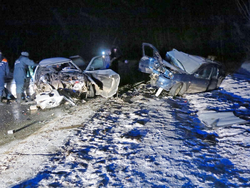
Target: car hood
x=189, y=62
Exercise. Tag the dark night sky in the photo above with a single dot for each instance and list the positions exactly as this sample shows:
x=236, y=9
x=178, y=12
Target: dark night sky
x=64, y=28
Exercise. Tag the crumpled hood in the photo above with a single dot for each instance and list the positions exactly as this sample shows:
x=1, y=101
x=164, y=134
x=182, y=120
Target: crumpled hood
x=189, y=62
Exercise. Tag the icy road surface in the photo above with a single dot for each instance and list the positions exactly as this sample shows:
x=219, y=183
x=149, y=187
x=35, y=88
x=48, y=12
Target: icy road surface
x=138, y=140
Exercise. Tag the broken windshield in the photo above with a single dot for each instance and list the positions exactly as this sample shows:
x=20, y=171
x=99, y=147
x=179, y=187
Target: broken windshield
x=174, y=62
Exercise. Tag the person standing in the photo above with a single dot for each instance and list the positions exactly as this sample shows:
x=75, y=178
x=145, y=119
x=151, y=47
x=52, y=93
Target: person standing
x=4, y=71
x=29, y=75
x=115, y=56
x=20, y=73
x=106, y=57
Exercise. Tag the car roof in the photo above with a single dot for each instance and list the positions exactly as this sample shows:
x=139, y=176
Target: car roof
x=53, y=60
x=190, y=62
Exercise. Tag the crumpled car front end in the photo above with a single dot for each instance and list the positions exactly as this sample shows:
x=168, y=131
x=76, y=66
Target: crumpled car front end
x=58, y=76
x=163, y=75
x=49, y=80
x=180, y=72
x=61, y=78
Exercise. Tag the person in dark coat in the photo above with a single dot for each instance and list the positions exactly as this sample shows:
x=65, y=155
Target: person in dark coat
x=115, y=56
x=4, y=71
x=20, y=73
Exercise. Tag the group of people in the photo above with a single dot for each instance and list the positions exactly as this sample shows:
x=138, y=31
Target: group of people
x=20, y=74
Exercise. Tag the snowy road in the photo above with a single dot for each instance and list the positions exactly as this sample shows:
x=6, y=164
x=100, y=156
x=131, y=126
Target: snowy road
x=138, y=140
x=23, y=122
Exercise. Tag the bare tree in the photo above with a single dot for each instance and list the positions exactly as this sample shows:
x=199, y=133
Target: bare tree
x=244, y=8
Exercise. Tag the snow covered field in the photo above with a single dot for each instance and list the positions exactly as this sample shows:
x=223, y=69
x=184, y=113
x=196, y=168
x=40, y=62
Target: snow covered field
x=138, y=140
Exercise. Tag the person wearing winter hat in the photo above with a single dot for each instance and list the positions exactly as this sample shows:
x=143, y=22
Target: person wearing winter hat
x=4, y=71
x=20, y=73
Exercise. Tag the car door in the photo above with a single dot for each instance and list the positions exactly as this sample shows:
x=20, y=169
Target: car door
x=149, y=57
x=96, y=63
x=106, y=81
x=213, y=79
x=200, y=80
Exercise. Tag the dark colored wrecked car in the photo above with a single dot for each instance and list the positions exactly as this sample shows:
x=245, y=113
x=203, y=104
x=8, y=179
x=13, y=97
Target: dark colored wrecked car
x=60, y=76
x=180, y=73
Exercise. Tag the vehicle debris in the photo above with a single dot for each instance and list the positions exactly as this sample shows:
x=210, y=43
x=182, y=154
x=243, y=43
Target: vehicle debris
x=48, y=99
x=179, y=72
x=33, y=107
x=219, y=119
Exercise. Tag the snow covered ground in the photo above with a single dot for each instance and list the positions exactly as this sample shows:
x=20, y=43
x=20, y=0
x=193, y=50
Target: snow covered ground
x=138, y=140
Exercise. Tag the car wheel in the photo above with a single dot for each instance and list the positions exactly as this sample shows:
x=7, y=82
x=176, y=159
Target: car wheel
x=183, y=89
x=91, y=91
x=175, y=89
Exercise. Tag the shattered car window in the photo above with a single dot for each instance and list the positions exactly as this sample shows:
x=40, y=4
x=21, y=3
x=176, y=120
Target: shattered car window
x=174, y=62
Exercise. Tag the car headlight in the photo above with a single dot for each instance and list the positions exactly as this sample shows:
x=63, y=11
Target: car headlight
x=168, y=74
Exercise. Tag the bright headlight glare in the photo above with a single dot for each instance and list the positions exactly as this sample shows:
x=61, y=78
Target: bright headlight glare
x=171, y=75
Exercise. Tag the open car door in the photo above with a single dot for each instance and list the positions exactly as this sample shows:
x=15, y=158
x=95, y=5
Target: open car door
x=151, y=59
x=148, y=59
x=106, y=81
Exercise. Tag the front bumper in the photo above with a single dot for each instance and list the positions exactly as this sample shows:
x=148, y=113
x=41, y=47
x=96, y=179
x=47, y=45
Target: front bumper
x=165, y=83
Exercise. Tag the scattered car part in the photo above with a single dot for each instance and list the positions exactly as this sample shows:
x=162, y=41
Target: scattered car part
x=48, y=99
x=33, y=107
x=219, y=119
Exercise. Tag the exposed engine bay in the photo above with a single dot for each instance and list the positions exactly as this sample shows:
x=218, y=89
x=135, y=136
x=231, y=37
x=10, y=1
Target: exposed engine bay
x=56, y=79
x=51, y=78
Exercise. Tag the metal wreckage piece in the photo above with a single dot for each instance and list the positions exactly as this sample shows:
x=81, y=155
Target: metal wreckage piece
x=51, y=99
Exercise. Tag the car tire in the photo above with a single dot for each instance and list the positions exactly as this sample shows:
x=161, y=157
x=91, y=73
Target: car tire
x=174, y=91
x=91, y=91
x=183, y=89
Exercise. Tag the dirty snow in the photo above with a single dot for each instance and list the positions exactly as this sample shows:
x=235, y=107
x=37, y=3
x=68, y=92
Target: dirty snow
x=137, y=140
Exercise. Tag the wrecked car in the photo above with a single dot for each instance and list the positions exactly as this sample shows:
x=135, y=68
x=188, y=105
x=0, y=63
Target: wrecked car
x=179, y=72
x=61, y=75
